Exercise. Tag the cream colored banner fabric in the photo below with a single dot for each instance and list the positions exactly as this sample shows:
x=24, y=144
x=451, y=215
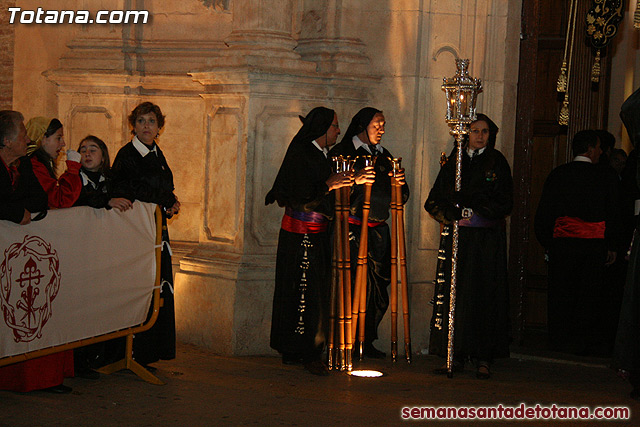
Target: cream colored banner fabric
x=78, y=273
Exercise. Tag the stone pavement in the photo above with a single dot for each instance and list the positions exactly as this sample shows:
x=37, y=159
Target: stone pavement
x=203, y=389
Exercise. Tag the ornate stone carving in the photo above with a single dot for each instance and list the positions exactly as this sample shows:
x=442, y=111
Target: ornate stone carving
x=217, y=5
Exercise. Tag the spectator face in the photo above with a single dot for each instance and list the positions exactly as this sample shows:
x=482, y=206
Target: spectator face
x=478, y=135
x=22, y=140
x=91, y=156
x=52, y=145
x=375, y=129
x=18, y=147
x=146, y=128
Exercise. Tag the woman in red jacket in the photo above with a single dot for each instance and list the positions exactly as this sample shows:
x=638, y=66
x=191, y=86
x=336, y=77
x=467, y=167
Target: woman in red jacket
x=47, y=372
x=47, y=134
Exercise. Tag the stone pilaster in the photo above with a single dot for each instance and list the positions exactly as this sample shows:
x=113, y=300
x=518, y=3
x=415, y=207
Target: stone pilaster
x=232, y=102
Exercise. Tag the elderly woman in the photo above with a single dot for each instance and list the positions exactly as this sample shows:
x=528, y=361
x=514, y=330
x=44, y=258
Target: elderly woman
x=140, y=172
x=364, y=138
x=47, y=134
x=486, y=198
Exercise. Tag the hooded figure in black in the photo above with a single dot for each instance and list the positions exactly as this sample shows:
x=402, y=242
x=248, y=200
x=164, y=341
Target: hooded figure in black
x=481, y=314
x=303, y=266
x=363, y=139
x=626, y=354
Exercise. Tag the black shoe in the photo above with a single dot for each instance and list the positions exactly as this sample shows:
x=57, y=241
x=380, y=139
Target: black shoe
x=371, y=352
x=87, y=374
x=455, y=367
x=59, y=389
x=483, y=372
x=291, y=359
x=317, y=367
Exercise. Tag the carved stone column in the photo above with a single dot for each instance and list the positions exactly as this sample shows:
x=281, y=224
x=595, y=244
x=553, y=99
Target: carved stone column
x=321, y=40
x=263, y=27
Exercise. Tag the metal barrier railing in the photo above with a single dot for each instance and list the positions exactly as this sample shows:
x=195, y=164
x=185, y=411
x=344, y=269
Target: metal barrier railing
x=127, y=362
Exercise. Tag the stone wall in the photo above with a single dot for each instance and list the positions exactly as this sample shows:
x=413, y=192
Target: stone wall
x=625, y=69
x=6, y=57
x=232, y=77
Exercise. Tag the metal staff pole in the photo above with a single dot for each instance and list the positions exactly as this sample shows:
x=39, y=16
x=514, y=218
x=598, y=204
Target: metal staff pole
x=454, y=262
x=461, y=92
x=359, y=310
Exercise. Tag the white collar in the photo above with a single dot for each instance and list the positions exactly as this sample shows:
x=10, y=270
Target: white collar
x=582, y=159
x=324, y=150
x=357, y=143
x=86, y=179
x=478, y=151
x=143, y=149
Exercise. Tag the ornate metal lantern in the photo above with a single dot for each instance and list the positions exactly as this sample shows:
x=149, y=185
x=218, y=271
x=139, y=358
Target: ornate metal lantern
x=461, y=92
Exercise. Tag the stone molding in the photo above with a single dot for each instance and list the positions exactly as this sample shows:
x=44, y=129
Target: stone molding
x=217, y=5
x=225, y=227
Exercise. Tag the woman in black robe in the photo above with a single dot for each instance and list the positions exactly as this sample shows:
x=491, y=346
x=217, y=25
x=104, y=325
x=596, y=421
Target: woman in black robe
x=481, y=316
x=140, y=172
x=303, y=266
x=626, y=353
x=363, y=138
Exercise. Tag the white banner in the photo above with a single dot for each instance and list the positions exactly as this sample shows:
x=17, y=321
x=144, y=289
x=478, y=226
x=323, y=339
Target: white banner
x=78, y=273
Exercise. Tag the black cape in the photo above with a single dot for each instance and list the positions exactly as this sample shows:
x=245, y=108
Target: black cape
x=299, y=319
x=627, y=347
x=482, y=299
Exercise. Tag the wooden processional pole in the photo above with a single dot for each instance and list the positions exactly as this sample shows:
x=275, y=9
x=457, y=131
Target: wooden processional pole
x=359, y=306
x=340, y=355
x=398, y=256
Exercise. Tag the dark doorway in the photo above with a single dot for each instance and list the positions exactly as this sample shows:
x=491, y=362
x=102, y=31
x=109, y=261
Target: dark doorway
x=541, y=145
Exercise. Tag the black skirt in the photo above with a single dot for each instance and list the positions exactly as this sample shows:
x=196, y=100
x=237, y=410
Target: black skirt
x=301, y=299
x=481, y=322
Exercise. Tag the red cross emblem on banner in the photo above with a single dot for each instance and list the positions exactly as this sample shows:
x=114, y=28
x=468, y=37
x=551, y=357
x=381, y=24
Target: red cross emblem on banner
x=29, y=282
